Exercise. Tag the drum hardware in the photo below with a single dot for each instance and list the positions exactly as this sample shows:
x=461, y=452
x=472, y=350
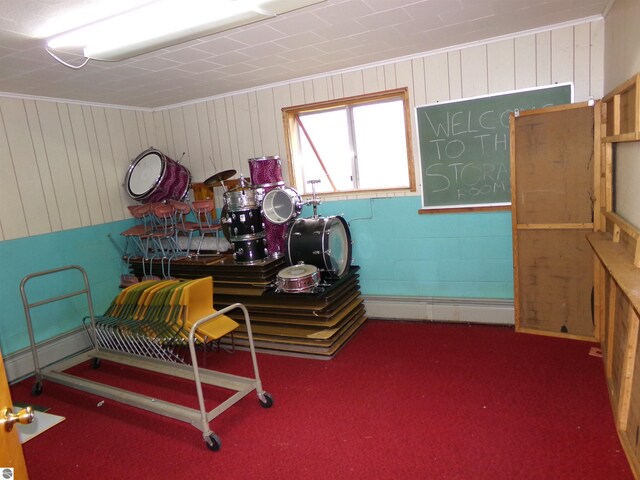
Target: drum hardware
x=315, y=200
x=219, y=178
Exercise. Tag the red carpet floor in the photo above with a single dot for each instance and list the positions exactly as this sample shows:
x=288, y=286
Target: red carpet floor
x=400, y=401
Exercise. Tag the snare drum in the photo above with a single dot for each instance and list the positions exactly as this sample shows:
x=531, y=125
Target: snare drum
x=321, y=241
x=250, y=251
x=298, y=278
x=266, y=171
x=154, y=177
x=281, y=205
x=244, y=224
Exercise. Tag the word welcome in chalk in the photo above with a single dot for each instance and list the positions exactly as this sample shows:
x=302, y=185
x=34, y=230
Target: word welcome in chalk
x=464, y=145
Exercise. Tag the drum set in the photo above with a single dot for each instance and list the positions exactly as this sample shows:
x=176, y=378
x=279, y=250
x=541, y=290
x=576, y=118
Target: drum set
x=260, y=217
x=262, y=221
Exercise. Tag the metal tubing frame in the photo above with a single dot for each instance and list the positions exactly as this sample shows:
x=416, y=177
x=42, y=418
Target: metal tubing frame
x=241, y=385
x=205, y=418
x=28, y=306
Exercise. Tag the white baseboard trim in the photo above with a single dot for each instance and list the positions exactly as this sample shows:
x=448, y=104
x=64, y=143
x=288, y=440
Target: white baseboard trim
x=20, y=365
x=464, y=310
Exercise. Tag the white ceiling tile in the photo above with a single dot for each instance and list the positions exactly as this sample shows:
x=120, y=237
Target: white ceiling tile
x=329, y=36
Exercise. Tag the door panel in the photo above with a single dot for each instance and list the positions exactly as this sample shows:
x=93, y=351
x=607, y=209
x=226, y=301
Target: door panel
x=552, y=210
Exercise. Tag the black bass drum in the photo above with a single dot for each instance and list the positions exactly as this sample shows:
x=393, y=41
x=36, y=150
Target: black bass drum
x=321, y=241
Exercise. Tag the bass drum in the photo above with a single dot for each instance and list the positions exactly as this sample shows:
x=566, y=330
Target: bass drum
x=321, y=241
x=154, y=177
x=299, y=278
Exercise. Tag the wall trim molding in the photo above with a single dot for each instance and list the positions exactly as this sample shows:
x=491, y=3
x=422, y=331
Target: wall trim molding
x=19, y=365
x=463, y=310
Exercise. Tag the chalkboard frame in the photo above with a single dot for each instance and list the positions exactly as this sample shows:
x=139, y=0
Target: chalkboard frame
x=431, y=157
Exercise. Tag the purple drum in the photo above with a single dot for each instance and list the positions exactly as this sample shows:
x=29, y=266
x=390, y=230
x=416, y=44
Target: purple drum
x=266, y=172
x=154, y=177
x=275, y=235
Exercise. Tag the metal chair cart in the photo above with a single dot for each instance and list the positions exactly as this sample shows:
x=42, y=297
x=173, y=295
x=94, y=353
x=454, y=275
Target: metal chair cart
x=139, y=348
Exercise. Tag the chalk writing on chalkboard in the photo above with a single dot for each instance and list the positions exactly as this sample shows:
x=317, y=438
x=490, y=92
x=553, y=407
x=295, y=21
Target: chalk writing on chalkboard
x=464, y=146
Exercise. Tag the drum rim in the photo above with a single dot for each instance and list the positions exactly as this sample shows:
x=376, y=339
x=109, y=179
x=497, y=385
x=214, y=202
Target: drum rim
x=347, y=232
x=314, y=270
x=265, y=157
x=133, y=165
x=279, y=183
x=247, y=237
x=294, y=204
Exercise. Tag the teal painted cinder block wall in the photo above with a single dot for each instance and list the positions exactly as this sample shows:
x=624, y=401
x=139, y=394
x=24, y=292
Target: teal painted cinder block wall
x=89, y=248
x=399, y=252
x=403, y=253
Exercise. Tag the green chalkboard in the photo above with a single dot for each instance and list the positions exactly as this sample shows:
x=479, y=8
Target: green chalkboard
x=464, y=146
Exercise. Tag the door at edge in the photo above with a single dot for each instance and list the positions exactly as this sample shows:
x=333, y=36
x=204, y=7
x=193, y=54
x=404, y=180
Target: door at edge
x=11, y=454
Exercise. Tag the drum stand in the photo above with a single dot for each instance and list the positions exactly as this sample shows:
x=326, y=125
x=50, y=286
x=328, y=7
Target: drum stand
x=315, y=200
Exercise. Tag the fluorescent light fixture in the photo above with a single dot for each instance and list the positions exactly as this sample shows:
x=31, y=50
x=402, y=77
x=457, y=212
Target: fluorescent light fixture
x=164, y=23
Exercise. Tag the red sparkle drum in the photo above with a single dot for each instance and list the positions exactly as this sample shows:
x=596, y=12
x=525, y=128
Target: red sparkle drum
x=266, y=171
x=281, y=205
x=321, y=241
x=299, y=278
x=275, y=238
x=154, y=177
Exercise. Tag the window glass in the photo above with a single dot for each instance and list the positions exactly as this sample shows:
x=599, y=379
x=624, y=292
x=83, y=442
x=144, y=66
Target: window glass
x=357, y=144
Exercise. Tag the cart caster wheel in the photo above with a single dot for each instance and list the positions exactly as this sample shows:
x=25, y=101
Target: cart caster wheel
x=36, y=389
x=213, y=442
x=95, y=363
x=266, y=401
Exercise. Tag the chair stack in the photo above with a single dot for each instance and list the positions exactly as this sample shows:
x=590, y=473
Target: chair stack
x=163, y=234
x=153, y=319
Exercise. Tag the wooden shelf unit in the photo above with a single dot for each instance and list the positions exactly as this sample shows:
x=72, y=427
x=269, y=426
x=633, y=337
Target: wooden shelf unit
x=616, y=244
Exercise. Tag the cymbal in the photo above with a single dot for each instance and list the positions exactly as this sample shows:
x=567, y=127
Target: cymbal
x=219, y=177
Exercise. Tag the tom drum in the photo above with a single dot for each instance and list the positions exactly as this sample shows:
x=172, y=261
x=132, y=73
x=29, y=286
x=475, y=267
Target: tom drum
x=250, y=251
x=266, y=171
x=281, y=205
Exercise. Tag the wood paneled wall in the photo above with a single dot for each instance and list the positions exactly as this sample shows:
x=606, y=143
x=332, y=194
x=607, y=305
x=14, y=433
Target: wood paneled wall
x=62, y=165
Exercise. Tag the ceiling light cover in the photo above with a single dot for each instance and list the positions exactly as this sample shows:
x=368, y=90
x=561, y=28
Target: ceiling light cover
x=164, y=23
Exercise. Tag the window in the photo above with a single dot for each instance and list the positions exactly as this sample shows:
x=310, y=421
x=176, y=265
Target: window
x=353, y=144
